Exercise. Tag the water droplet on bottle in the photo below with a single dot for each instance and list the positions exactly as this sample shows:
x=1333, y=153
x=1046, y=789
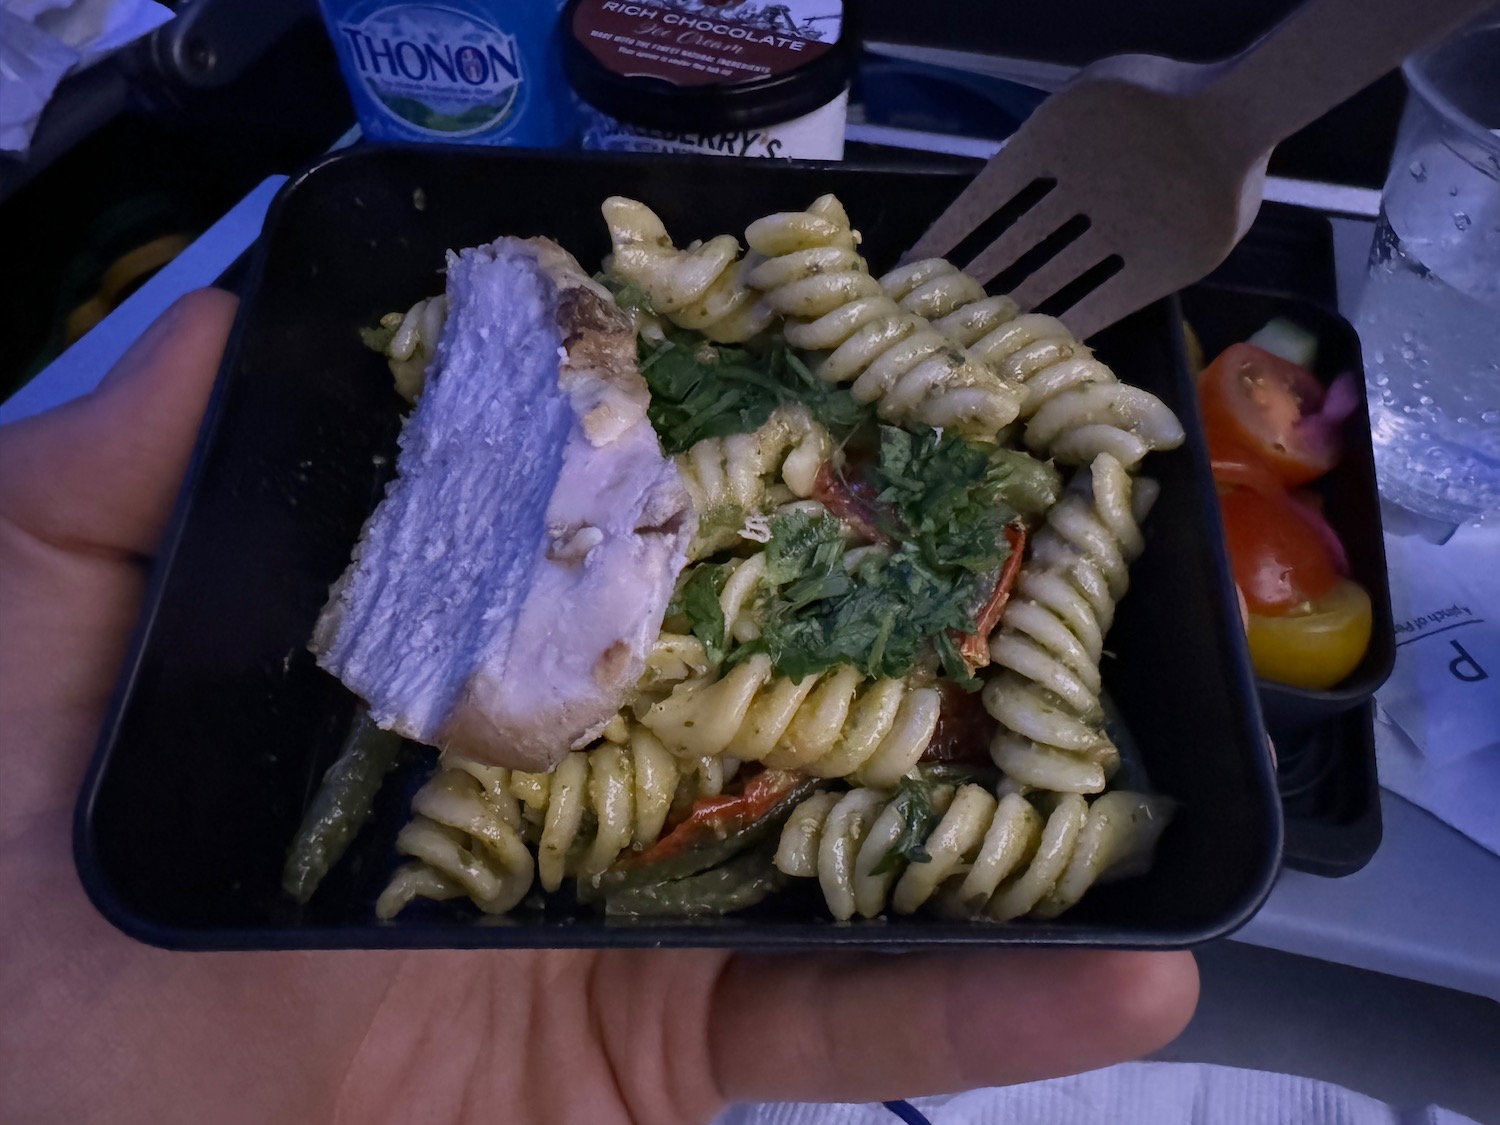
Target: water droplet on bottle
x=1382, y=380
x=1408, y=353
x=1425, y=400
x=1418, y=171
x=1379, y=357
x=1462, y=221
x=1490, y=416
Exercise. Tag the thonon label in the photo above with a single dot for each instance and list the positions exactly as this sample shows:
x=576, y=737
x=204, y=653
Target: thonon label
x=466, y=73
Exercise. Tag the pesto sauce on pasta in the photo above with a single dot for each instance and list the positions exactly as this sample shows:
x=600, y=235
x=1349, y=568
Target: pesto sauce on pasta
x=849, y=565
x=938, y=504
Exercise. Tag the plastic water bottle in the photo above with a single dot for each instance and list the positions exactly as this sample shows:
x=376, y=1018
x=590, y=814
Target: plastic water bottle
x=1429, y=315
x=466, y=72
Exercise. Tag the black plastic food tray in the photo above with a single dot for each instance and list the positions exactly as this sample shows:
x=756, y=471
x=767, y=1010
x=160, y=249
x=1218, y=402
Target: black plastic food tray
x=223, y=724
x=1324, y=739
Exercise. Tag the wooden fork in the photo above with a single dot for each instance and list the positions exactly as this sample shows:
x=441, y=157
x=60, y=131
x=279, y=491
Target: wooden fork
x=1140, y=175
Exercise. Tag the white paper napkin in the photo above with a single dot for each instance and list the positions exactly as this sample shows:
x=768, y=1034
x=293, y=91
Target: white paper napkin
x=1132, y=1094
x=1441, y=706
x=43, y=41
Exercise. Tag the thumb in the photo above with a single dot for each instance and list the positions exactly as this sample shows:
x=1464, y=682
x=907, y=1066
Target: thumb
x=101, y=473
x=846, y=1028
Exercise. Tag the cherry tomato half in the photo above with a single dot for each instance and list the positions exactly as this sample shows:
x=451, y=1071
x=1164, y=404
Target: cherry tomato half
x=1317, y=647
x=1233, y=464
x=1309, y=505
x=1270, y=407
x=1279, y=560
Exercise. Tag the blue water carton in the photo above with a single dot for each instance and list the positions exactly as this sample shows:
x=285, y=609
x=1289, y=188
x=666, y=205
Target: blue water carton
x=466, y=72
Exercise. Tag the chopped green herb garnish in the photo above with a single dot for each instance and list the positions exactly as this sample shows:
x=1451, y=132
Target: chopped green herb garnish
x=946, y=506
x=700, y=389
x=835, y=407
x=955, y=497
x=878, y=617
x=917, y=822
x=801, y=542
x=942, y=500
x=698, y=600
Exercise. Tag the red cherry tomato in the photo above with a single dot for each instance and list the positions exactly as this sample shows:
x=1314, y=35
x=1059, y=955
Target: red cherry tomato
x=1233, y=464
x=1280, y=560
x=717, y=818
x=1272, y=409
x=964, y=728
x=855, y=502
x=1309, y=505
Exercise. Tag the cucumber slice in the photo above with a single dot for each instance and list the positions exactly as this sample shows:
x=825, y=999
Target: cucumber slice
x=1289, y=341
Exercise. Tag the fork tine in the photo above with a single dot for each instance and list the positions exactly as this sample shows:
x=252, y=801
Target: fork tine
x=1055, y=208
x=998, y=182
x=1064, y=266
x=1116, y=298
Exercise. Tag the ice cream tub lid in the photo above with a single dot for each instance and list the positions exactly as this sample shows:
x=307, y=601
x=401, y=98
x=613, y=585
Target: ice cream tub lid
x=708, y=64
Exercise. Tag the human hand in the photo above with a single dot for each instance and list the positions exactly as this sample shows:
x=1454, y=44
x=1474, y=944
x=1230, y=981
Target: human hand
x=95, y=1027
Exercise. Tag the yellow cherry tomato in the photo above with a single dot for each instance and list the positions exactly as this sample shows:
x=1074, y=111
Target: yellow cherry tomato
x=1314, y=646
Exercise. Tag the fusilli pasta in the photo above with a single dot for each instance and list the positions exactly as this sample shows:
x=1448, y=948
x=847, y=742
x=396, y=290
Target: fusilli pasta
x=1073, y=405
x=472, y=823
x=742, y=476
x=988, y=858
x=925, y=347
x=738, y=600
x=702, y=287
x=465, y=836
x=1048, y=647
x=414, y=342
x=815, y=276
x=834, y=724
x=673, y=657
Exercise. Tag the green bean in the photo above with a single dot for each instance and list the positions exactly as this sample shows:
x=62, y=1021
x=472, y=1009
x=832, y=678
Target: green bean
x=341, y=805
x=743, y=881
